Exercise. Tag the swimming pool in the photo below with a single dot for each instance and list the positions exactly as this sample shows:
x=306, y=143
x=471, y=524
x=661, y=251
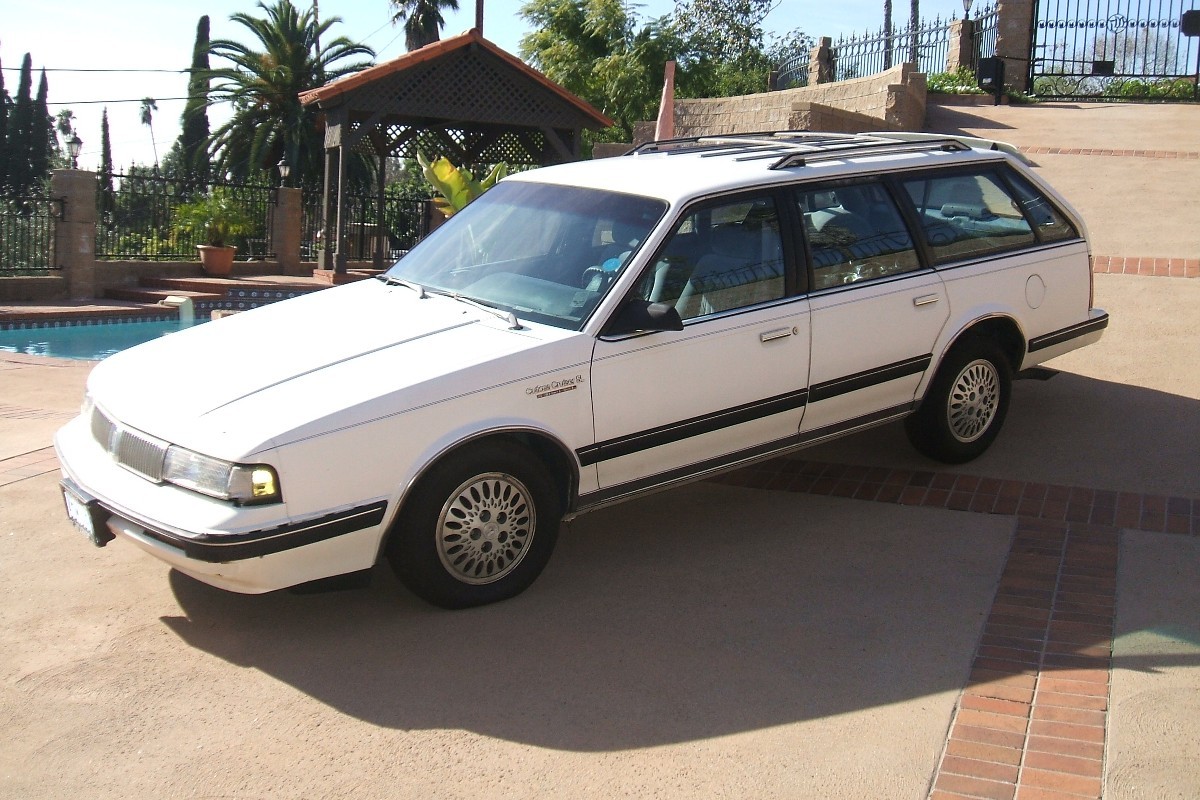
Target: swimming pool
x=86, y=342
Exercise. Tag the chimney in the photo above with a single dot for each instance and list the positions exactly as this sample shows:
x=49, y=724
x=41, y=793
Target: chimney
x=479, y=16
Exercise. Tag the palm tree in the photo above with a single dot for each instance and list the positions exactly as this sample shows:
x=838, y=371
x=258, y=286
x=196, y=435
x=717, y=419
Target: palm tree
x=149, y=106
x=887, y=34
x=422, y=20
x=914, y=17
x=263, y=83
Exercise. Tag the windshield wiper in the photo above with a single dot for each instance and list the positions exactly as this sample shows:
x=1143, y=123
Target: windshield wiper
x=392, y=280
x=507, y=316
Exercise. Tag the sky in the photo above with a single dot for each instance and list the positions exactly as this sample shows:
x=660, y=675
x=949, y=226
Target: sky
x=75, y=40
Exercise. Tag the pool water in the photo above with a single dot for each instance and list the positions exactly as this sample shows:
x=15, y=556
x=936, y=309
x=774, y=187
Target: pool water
x=86, y=342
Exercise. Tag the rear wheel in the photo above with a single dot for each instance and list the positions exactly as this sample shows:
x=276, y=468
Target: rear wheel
x=965, y=405
x=477, y=528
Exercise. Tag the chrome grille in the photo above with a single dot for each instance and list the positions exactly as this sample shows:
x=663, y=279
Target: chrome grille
x=135, y=451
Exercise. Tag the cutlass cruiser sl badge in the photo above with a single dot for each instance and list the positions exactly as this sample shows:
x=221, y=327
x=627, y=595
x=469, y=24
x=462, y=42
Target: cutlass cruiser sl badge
x=554, y=387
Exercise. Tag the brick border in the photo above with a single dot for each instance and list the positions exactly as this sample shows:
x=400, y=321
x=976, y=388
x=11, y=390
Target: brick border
x=958, y=492
x=1032, y=721
x=1170, y=155
x=1154, y=266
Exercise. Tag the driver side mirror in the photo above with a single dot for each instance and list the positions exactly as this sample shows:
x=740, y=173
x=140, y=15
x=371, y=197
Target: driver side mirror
x=638, y=316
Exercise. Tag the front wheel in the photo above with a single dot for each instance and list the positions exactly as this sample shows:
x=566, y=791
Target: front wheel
x=965, y=405
x=477, y=528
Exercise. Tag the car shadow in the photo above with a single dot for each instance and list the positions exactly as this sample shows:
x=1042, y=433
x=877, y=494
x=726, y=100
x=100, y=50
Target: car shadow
x=1070, y=430
x=700, y=612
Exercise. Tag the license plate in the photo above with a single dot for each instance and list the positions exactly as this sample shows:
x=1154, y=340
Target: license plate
x=80, y=512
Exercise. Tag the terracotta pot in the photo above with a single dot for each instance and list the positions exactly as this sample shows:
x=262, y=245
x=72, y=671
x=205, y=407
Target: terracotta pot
x=216, y=261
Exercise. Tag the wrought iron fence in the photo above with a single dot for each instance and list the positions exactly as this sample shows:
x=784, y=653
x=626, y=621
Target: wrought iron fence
x=792, y=73
x=1114, y=49
x=403, y=225
x=856, y=57
x=135, y=216
x=987, y=30
x=27, y=234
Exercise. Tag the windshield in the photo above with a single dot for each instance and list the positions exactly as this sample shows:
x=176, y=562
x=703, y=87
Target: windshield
x=546, y=253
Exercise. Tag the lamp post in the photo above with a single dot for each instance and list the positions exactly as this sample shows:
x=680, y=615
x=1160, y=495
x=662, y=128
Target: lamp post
x=74, y=145
x=284, y=170
x=967, y=8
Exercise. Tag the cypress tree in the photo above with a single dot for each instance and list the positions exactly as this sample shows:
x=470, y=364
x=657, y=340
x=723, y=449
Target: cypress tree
x=41, y=134
x=20, y=122
x=4, y=103
x=108, y=202
x=193, y=137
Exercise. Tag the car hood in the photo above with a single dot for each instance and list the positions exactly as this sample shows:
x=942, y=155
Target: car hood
x=303, y=366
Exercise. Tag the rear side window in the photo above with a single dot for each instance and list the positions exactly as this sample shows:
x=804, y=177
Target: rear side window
x=855, y=233
x=968, y=215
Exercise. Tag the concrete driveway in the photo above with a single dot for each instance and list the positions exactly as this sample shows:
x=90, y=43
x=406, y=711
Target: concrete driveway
x=857, y=622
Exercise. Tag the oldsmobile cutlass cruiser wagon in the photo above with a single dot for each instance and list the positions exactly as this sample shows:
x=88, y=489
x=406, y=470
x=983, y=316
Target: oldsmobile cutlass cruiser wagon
x=580, y=335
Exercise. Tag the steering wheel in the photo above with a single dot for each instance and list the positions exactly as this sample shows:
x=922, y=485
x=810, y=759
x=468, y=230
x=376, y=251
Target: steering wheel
x=594, y=275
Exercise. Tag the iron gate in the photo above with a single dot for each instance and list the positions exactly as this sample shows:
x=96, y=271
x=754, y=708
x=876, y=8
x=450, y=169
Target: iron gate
x=1113, y=49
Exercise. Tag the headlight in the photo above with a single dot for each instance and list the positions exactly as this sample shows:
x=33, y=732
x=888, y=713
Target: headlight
x=242, y=483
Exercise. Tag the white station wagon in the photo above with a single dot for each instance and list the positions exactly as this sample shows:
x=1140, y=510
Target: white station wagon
x=580, y=335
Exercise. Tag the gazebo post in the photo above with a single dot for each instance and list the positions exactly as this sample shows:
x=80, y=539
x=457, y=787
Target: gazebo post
x=339, y=257
x=381, y=233
x=325, y=260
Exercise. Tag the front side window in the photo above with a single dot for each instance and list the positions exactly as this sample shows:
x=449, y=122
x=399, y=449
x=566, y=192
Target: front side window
x=855, y=233
x=544, y=252
x=967, y=215
x=719, y=258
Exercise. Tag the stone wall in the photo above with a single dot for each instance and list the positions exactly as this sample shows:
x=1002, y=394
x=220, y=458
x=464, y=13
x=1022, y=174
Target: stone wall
x=892, y=100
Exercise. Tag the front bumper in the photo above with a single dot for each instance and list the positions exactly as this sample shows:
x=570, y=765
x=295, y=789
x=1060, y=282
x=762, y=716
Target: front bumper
x=250, y=549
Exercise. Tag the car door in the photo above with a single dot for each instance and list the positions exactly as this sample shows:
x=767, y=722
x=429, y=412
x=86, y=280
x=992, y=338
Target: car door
x=728, y=386
x=876, y=311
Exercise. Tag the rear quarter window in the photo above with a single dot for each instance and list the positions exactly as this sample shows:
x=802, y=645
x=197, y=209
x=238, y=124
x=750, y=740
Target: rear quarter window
x=968, y=214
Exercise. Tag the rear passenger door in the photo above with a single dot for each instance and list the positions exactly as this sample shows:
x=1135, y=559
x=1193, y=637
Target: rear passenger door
x=876, y=310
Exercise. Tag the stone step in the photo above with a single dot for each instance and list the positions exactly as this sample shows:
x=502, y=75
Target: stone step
x=223, y=286
x=152, y=295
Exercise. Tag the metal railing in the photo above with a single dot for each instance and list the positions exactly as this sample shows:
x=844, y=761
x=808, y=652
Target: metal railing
x=857, y=57
x=27, y=234
x=135, y=216
x=403, y=226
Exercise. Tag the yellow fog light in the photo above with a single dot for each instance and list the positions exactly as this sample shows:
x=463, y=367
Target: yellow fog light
x=255, y=483
x=262, y=483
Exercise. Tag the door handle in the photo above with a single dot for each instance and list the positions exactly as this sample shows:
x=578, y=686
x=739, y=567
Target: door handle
x=771, y=336
x=925, y=299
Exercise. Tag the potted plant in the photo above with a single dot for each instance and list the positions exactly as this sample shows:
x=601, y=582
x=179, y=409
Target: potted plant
x=215, y=218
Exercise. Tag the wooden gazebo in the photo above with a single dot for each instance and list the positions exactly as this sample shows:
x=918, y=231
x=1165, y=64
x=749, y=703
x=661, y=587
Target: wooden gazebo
x=463, y=98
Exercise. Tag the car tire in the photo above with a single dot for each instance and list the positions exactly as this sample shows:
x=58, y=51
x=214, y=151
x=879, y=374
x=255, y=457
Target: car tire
x=964, y=407
x=477, y=528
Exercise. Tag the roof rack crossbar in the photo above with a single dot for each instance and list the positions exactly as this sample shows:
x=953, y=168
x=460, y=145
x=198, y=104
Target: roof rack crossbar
x=875, y=147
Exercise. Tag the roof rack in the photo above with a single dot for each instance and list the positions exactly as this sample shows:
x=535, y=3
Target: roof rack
x=798, y=148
